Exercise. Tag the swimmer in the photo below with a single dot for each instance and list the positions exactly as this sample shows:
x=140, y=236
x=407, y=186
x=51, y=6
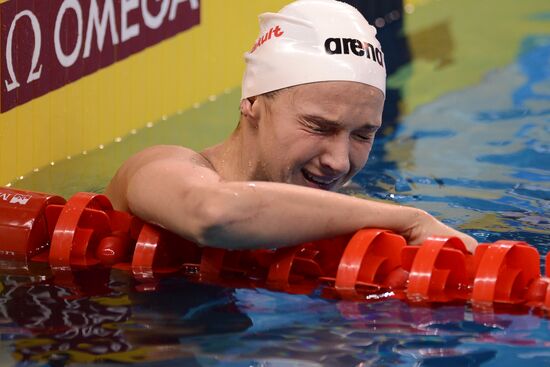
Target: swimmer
x=312, y=98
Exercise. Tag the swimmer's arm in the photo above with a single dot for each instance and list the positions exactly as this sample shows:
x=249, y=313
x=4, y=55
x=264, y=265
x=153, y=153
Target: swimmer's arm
x=191, y=200
x=265, y=214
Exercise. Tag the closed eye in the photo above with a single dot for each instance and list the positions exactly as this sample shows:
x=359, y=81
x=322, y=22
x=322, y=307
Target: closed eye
x=365, y=133
x=364, y=137
x=321, y=129
x=319, y=126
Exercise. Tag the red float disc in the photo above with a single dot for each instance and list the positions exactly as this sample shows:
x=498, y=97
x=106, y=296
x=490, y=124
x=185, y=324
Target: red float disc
x=144, y=253
x=68, y=223
x=504, y=272
x=292, y=263
x=368, y=259
x=439, y=262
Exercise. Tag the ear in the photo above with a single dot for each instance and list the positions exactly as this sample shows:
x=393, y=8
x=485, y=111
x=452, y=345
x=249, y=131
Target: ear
x=249, y=109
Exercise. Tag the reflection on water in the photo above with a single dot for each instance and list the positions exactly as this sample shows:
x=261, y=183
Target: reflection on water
x=478, y=158
x=63, y=324
x=186, y=324
x=433, y=44
x=49, y=322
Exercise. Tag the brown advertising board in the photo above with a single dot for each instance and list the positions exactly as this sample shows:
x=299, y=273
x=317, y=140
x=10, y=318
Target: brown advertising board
x=48, y=44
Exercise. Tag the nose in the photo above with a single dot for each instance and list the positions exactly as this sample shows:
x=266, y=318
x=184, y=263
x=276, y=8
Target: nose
x=335, y=158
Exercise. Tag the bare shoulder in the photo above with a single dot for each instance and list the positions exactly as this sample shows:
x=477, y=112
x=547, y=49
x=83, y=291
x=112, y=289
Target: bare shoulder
x=174, y=163
x=163, y=153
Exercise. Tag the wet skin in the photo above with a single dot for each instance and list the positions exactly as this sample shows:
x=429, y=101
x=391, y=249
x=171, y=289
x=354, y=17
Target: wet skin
x=317, y=135
x=258, y=187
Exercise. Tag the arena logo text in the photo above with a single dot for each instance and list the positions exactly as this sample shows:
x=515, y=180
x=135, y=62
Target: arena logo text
x=347, y=46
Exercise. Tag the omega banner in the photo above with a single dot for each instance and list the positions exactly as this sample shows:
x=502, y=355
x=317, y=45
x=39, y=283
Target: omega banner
x=46, y=44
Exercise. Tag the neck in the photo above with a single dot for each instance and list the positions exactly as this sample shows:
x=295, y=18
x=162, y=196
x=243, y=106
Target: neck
x=237, y=158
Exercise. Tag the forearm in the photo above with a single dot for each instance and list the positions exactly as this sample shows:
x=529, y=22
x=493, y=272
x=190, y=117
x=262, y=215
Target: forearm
x=263, y=214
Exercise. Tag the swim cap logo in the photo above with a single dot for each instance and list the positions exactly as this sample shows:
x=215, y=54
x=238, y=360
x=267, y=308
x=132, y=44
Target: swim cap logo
x=274, y=31
x=339, y=46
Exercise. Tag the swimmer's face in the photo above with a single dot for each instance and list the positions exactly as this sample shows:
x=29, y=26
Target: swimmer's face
x=317, y=135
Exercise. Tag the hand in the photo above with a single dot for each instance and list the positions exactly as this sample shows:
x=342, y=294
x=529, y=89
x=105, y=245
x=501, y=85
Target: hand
x=424, y=225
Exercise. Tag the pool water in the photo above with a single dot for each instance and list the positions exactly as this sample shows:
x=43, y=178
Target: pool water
x=477, y=158
x=473, y=152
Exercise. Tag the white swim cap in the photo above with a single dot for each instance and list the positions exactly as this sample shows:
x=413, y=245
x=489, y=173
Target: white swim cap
x=312, y=41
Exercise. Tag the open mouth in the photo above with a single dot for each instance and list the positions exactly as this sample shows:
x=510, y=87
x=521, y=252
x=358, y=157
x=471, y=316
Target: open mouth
x=319, y=182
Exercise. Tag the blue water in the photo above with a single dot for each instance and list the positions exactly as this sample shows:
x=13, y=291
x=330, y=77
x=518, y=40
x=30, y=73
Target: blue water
x=478, y=158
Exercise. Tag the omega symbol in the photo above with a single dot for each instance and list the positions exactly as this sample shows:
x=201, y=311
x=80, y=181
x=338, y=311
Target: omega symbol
x=36, y=71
